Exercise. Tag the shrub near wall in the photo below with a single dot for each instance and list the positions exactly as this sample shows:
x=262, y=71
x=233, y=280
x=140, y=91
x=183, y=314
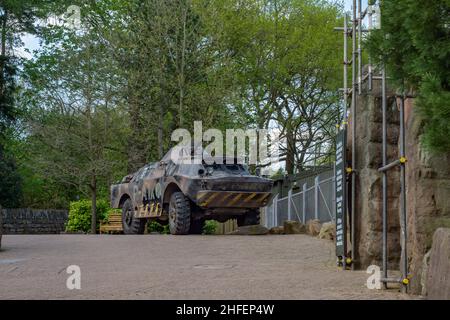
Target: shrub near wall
x=80, y=215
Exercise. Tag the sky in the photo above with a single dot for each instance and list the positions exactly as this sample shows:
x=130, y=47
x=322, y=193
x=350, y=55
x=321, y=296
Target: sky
x=32, y=43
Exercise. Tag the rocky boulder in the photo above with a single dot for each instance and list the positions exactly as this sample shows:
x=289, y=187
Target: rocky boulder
x=277, y=230
x=313, y=227
x=438, y=274
x=250, y=230
x=328, y=231
x=294, y=227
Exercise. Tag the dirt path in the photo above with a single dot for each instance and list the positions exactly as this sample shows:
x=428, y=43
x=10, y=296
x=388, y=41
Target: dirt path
x=178, y=267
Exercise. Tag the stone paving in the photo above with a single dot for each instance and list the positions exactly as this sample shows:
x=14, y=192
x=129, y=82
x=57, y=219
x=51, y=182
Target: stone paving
x=179, y=267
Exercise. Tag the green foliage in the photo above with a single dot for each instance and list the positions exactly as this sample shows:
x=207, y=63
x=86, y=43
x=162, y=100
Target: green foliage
x=101, y=102
x=414, y=45
x=210, y=227
x=279, y=174
x=80, y=214
x=155, y=226
x=10, y=185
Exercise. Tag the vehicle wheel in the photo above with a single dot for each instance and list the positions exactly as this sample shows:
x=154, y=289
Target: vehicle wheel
x=197, y=226
x=179, y=214
x=248, y=219
x=130, y=224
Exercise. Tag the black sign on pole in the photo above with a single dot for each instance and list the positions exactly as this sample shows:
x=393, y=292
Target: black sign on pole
x=341, y=197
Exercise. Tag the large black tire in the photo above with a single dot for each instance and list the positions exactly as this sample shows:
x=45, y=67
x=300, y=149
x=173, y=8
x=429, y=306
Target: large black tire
x=197, y=226
x=179, y=214
x=248, y=219
x=130, y=224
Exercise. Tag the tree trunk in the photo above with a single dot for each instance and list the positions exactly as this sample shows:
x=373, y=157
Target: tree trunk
x=181, y=75
x=160, y=131
x=290, y=152
x=94, y=205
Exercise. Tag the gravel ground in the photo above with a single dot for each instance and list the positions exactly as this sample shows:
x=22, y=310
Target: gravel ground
x=179, y=267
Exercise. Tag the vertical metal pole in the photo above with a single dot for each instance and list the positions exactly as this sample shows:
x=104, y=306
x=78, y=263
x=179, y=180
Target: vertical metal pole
x=275, y=217
x=316, y=197
x=345, y=67
x=353, y=202
x=359, y=47
x=274, y=208
x=370, y=60
x=304, y=203
x=384, y=159
x=289, y=203
x=403, y=194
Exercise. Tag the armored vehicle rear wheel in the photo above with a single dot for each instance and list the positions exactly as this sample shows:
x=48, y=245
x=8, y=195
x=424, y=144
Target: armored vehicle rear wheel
x=179, y=214
x=248, y=219
x=130, y=224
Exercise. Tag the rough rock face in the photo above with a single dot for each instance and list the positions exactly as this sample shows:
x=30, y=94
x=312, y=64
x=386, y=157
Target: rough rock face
x=438, y=279
x=251, y=230
x=313, y=227
x=328, y=231
x=424, y=275
x=427, y=198
x=277, y=230
x=369, y=181
x=293, y=227
x=427, y=186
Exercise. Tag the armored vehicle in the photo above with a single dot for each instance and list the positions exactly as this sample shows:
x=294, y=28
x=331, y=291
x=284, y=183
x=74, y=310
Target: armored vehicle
x=184, y=195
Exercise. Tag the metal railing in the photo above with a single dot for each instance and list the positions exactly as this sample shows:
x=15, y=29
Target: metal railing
x=312, y=202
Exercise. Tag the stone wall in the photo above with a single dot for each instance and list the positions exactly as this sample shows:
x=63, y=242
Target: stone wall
x=427, y=186
x=438, y=274
x=33, y=221
x=369, y=180
x=427, y=195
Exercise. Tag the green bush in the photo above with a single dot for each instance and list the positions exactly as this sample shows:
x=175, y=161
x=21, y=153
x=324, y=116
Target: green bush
x=210, y=227
x=80, y=214
x=155, y=226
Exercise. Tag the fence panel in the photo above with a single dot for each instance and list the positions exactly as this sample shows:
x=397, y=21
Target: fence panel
x=314, y=200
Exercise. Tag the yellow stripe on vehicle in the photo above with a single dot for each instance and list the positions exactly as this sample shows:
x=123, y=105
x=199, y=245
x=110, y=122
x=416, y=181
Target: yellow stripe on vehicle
x=202, y=195
x=236, y=199
x=250, y=197
x=211, y=198
x=225, y=198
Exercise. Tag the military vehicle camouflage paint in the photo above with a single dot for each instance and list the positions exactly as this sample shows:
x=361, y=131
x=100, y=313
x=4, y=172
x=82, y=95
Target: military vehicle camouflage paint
x=218, y=191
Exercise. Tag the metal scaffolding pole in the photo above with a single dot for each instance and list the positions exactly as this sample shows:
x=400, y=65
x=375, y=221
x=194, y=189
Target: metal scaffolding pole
x=403, y=222
x=345, y=68
x=369, y=12
x=357, y=79
x=353, y=111
x=359, y=47
x=384, y=162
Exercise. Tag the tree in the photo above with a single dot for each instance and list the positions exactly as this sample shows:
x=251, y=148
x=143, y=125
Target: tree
x=75, y=123
x=169, y=71
x=413, y=43
x=16, y=17
x=284, y=67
